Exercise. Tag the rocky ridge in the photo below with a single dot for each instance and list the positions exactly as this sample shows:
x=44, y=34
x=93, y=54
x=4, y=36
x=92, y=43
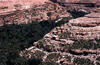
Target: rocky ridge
x=86, y=27
x=76, y=41
x=40, y=12
x=62, y=40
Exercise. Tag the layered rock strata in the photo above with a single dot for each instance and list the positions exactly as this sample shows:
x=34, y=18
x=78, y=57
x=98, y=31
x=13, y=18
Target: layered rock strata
x=86, y=27
x=79, y=5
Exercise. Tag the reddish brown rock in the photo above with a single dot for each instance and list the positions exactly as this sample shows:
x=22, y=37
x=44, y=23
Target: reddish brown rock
x=33, y=50
x=93, y=15
x=63, y=59
x=15, y=3
x=86, y=27
x=55, y=37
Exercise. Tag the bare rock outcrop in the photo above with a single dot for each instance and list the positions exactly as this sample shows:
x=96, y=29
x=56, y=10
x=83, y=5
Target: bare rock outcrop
x=86, y=27
x=11, y=5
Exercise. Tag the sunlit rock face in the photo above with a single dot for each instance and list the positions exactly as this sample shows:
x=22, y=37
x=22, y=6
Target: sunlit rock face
x=87, y=27
x=10, y=5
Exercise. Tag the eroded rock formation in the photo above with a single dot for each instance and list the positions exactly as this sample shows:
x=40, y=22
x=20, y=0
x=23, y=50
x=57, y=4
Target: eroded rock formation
x=86, y=27
x=66, y=43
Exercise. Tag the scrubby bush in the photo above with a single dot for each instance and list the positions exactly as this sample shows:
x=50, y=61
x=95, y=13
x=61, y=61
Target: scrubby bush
x=87, y=44
x=38, y=55
x=42, y=41
x=64, y=35
x=53, y=57
x=82, y=61
x=68, y=58
x=49, y=13
x=83, y=44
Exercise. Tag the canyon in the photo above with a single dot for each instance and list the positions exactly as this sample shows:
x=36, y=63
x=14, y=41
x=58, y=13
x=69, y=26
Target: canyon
x=55, y=32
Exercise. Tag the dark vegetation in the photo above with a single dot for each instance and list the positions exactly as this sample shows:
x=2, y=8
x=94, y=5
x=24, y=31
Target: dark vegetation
x=82, y=61
x=64, y=20
x=49, y=63
x=64, y=35
x=38, y=55
x=15, y=38
x=97, y=63
x=42, y=44
x=49, y=13
x=42, y=41
x=83, y=44
x=53, y=57
x=77, y=14
x=98, y=58
x=79, y=44
x=68, y=58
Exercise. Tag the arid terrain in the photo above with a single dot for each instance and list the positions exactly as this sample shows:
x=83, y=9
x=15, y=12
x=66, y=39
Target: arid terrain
x=49, y=32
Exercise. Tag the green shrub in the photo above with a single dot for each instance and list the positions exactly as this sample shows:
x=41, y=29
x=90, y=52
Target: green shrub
x=64, y=35
x=49, y=13
x=82, y=61
x=42, y=41
x=83, y=44
x=38, y=55
x=68, y=58
x=53, y=57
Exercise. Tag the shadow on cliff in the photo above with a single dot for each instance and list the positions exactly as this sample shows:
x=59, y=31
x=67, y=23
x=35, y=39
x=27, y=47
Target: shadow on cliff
x=74, y=12
x=15, y=38
x=77, y=14
x=55, y=1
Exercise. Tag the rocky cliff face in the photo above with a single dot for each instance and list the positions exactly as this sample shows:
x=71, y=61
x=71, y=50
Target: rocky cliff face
x=78, y=39
x=87, y=5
